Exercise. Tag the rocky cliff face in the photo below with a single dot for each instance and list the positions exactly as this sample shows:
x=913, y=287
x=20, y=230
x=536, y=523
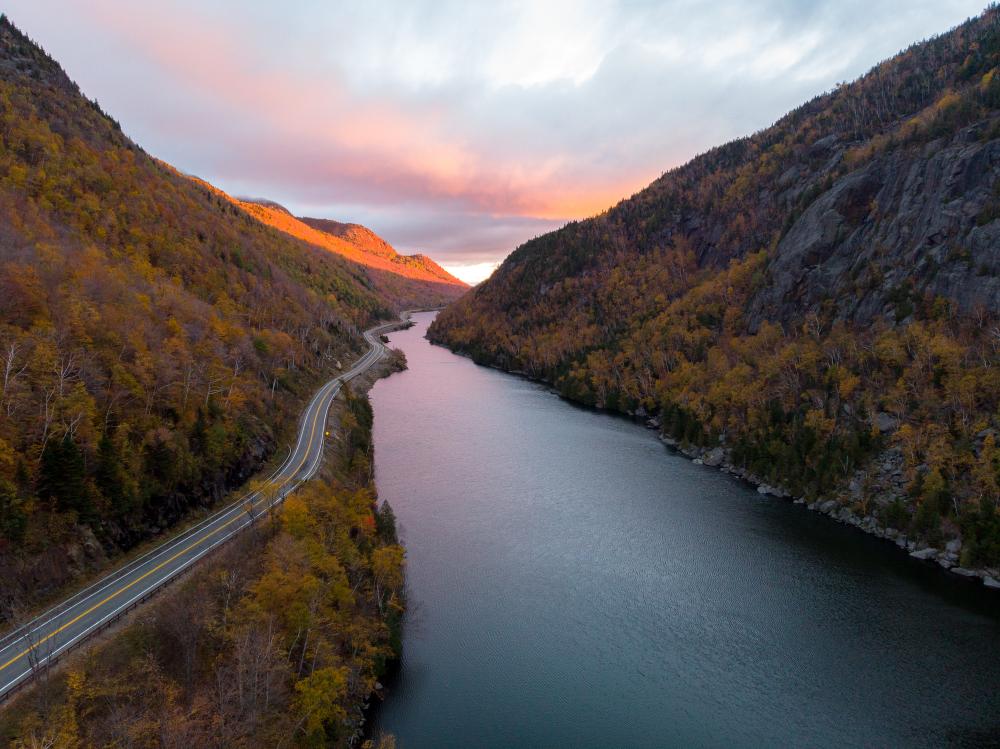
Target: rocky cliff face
x=907, y=220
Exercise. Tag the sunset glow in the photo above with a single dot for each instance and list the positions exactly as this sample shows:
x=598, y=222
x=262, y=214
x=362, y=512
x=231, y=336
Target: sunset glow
x=454, y=143
x=471, y=273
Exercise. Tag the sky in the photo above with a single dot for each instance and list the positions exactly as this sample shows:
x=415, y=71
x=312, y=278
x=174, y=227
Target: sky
x=454, y=128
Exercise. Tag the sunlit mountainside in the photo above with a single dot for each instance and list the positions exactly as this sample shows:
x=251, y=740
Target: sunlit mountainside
x=413, y=280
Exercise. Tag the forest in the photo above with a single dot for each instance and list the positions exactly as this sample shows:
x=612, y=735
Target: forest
x=157, y=341
x=820, y=299
x=275, y=641
x=411, y=281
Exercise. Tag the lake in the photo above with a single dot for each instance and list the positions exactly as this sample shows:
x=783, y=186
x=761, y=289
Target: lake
x=573, y=583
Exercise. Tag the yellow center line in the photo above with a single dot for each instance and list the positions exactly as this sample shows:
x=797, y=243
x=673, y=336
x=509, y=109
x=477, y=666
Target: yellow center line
x=117, y=593
x=161, y=565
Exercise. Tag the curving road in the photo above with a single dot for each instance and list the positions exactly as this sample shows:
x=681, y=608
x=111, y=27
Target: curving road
x=23, y=652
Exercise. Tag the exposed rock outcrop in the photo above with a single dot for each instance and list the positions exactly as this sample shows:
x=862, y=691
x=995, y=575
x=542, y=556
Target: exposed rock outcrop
x=905, y=220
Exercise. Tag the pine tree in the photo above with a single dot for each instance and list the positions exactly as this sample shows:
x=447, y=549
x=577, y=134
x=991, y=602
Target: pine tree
x=13, y=519
x=110, y=478
x=62, y=478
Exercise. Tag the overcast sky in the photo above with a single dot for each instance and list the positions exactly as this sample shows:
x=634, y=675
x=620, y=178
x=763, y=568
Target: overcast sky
x=459, y=129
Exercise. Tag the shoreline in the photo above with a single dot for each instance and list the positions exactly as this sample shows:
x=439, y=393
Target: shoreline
x=946, y=558
x=245, y=553
x=832, y=507
x=368, y=707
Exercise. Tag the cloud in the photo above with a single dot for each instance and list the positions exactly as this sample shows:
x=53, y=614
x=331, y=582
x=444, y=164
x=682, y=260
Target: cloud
x=460, y=128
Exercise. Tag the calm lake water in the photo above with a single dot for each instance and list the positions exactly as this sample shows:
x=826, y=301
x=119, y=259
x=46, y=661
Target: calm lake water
x=574, y=584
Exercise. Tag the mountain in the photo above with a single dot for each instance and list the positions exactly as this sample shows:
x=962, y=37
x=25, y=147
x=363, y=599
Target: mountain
x=419, y=265
x=157, y=343
x=410, y=280
x=815, y=306
x=155, y=338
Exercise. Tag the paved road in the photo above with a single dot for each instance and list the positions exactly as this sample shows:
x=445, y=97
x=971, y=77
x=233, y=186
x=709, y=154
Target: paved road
x=24, y=651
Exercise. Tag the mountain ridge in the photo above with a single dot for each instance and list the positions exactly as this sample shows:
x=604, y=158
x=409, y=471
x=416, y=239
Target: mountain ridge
x=818, y=298
x=415, y=280
x=362, y=236
x=155, y=339
x=157, y=345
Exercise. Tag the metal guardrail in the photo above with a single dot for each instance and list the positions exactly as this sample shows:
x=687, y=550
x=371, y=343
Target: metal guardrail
x=373, y=355
x=130, y=566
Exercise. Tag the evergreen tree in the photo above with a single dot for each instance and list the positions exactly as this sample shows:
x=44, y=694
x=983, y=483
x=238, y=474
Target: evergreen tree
x=12, y=516
x=385, y=524
x=111, y=478
x=62, y=477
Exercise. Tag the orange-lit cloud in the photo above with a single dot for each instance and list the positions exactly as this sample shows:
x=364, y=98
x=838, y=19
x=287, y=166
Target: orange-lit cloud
x=359, y=138
x=460, y=129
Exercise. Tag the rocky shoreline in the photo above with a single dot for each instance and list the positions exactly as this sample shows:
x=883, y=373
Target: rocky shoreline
x=888, y=481
x=889, y=477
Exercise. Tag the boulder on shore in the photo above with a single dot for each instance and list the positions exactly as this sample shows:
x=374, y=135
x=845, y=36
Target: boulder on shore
x=714, y=457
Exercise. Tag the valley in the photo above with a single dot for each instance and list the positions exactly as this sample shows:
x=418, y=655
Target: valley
x=499, y=375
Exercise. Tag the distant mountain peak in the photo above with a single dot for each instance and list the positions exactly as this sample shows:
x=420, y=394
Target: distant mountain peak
x=354, y=241
x=356, y=234
x=264, y=202
x=403, y=276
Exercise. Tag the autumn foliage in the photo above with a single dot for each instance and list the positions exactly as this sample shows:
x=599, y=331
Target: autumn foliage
x=665, y=305
x=276, y=642
x=155, y=338
x=411, y=281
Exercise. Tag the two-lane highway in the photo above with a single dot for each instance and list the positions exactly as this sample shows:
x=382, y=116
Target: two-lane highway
x=24, y=651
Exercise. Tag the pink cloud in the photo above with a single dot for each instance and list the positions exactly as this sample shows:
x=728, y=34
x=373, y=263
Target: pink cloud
x=312, y=131
x=461, y=128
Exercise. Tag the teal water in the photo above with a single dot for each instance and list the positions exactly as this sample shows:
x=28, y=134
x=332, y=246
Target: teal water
x=574, y=584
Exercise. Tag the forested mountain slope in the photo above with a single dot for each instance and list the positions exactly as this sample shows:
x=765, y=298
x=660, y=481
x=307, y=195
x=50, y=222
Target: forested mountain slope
x=411, y=280
x=821, y=299
x=153, y=335
x=361, y=236
x=278, y=639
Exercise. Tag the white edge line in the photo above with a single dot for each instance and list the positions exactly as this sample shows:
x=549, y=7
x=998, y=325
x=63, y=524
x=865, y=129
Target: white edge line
x=374, y=354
